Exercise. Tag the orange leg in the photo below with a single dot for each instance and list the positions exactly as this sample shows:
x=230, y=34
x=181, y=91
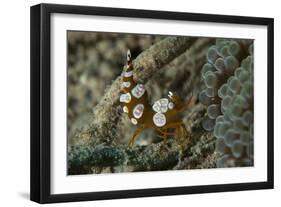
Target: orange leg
x=164, y=137
x=180, y=129
x=164, y=134
x=184, y=133
x=137, y=132
x=179, y=133
x=172, y=125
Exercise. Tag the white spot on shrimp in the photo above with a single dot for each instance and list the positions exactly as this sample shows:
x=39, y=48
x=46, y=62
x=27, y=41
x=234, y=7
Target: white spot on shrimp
x=129, y=55
x=134, y=121
x=138, y=90
x=125, y=98
x=159, y=119
x=128, y=74
x=138, y=111
x=171, y=105
x=126, y=84
x=161, y=106
x=170, y=94
x=125, y=109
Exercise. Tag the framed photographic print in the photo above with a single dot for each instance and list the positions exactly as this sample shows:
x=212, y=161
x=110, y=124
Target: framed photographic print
x=132, y=103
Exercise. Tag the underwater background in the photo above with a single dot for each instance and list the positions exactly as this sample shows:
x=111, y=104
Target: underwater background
x=217, y=72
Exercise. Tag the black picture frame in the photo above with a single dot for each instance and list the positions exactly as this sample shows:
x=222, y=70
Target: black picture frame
x=41, y=99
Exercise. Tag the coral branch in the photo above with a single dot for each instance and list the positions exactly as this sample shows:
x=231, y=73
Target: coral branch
x=153, y=59
x=85, y=159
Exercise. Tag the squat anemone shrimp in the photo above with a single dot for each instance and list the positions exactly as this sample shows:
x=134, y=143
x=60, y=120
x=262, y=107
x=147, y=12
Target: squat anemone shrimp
x=161, y=116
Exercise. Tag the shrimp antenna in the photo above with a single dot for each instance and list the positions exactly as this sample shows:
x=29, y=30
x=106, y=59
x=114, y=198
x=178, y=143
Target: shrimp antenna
x=129, y=56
